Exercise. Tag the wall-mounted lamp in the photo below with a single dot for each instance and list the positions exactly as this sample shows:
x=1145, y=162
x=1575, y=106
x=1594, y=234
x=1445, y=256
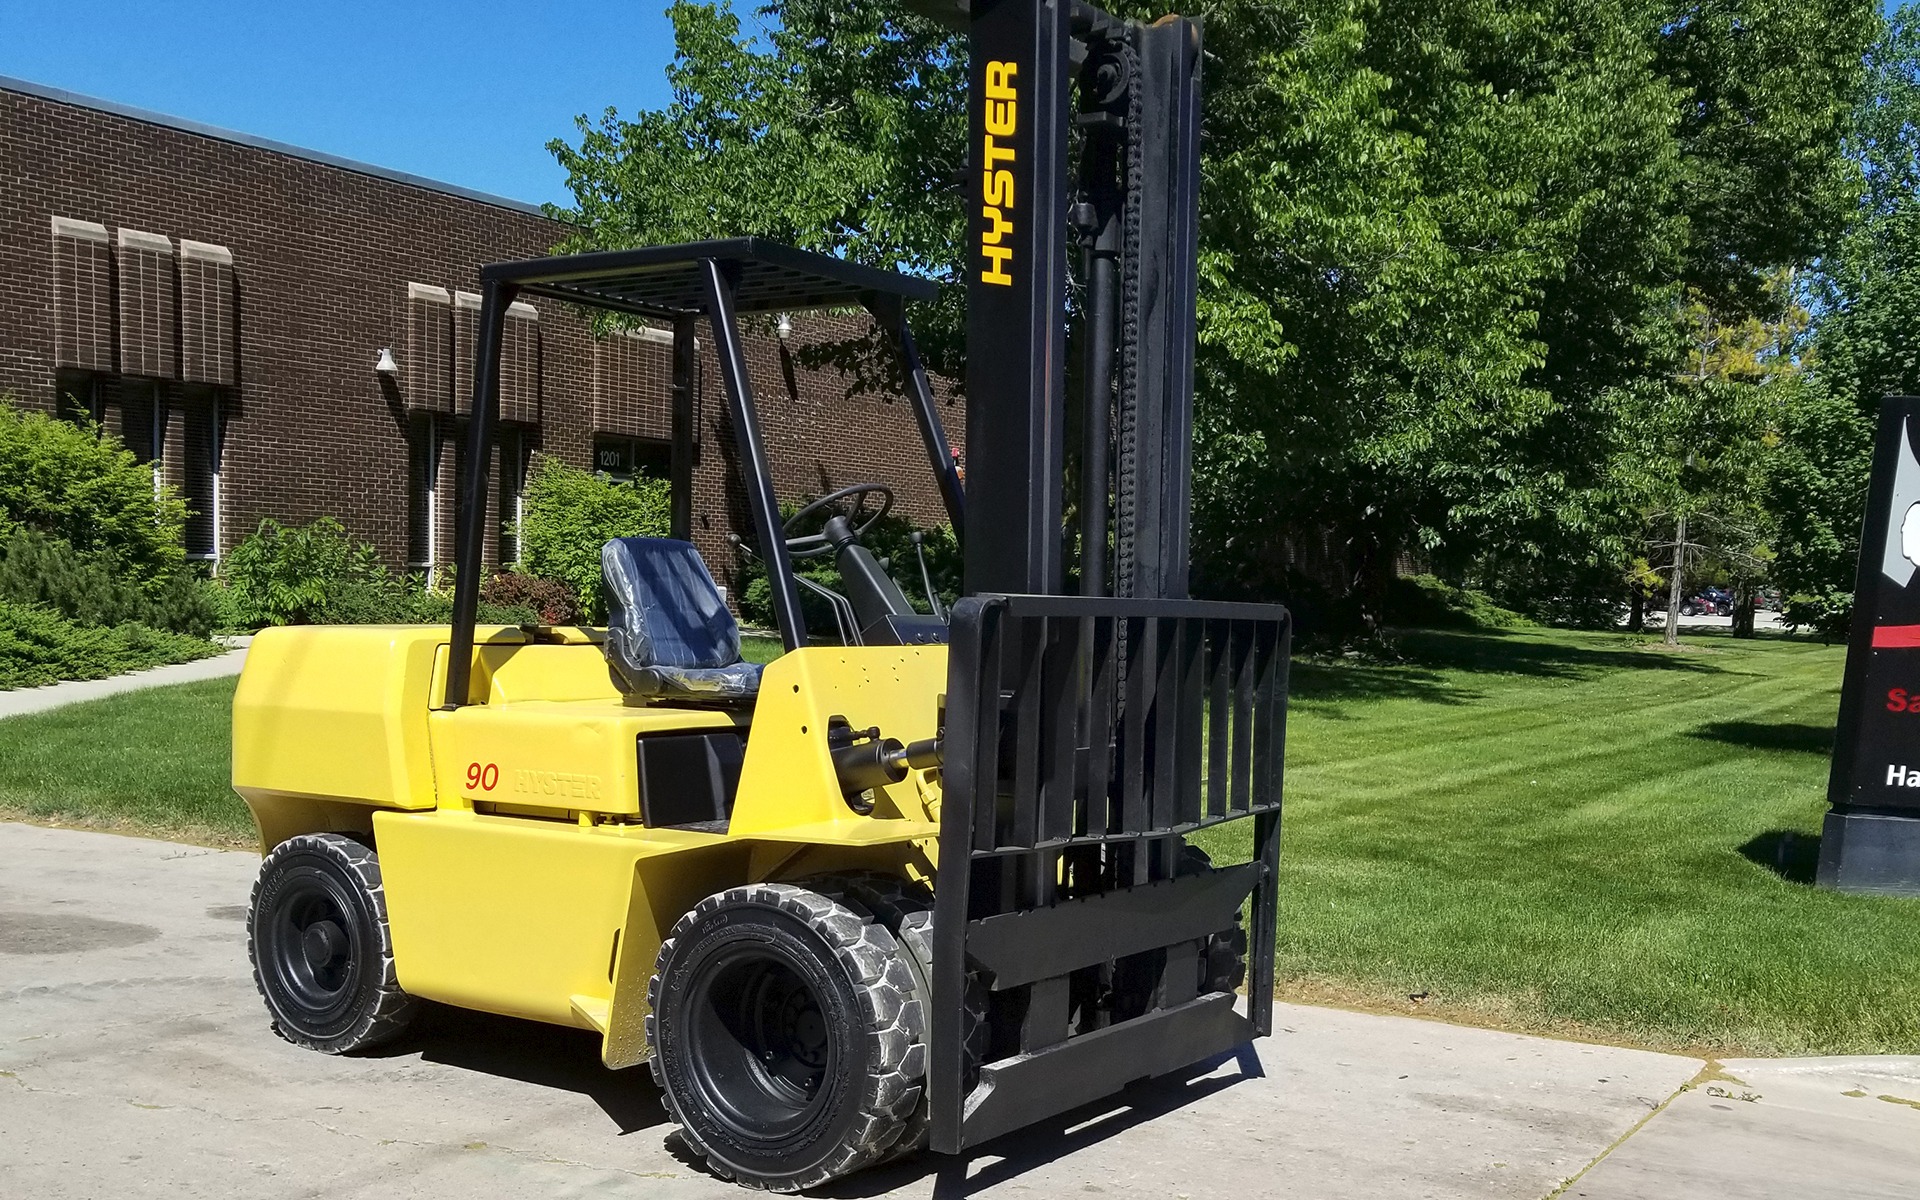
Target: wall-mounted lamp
x=784, y=327
x=385, y=365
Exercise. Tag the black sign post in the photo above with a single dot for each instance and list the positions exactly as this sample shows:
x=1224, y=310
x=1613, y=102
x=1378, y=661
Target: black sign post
x=1871, y=839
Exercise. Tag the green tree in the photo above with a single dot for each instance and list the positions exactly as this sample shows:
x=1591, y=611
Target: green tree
x=1866, y=343
x=1436, y=237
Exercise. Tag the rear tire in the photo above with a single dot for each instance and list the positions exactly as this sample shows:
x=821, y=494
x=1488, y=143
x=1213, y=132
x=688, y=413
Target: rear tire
x=321, y=950
x=1223, y=960
x=786, y=1035
x=1222, y=957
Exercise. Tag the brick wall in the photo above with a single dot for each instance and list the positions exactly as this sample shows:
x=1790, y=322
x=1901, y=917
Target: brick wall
x=256, y=287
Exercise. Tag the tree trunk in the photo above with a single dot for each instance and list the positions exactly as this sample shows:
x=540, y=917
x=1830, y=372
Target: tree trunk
x=1743, y=612
x=1636, y=607
x=1676, y=583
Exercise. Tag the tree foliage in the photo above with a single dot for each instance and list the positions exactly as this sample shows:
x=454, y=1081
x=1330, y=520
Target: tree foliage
x=1866, y=344
x=1440, y=239
x=571, y=514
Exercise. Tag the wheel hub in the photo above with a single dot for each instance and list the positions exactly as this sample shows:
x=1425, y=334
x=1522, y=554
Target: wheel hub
x=323, y=942
x=766, y=1046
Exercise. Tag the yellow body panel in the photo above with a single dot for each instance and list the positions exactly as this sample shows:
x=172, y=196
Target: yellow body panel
x=575, y=756
x=788, y=778
x=519, y=878
x=519, y=916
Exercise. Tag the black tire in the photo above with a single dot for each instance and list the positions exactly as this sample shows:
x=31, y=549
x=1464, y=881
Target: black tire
x=321, y=950
x=786, y=1035
x=1223, y=960
x=906, y=909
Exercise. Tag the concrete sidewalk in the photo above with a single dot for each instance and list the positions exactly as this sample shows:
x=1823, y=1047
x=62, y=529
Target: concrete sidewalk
x=58, y=695
x=135, y=1058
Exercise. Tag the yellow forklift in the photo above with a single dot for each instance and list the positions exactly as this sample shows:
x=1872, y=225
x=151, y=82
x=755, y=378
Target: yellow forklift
x=916, y=885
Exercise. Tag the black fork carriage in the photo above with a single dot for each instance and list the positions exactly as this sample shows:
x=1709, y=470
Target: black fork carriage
x=1084, y=738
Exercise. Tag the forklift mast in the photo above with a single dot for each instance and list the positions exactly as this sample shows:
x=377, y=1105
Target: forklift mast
x=1039, y=70
x=1090, y=724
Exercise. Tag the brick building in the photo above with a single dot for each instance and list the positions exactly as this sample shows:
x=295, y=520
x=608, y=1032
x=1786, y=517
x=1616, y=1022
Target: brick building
x=222, y=303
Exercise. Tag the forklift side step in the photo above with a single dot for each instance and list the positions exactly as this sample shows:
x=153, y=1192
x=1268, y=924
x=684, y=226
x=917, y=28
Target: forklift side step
x=591, y=1009
x=1018, y=1091
x=1039, y=943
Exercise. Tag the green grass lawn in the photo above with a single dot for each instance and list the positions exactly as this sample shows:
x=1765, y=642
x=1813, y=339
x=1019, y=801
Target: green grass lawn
x=154, y=761
x=1567, y=832
x=1582, y=833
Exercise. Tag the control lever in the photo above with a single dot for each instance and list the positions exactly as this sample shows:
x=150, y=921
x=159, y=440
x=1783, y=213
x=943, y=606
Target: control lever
x=926, y=577
x=841, y=607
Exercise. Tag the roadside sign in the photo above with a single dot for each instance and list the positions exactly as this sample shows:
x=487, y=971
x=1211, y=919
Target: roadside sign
x=1871, y=840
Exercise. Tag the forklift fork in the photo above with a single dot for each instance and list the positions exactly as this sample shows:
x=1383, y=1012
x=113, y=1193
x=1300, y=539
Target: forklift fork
x=1084, y=738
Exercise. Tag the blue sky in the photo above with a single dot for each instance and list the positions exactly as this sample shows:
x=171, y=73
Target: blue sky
x=468, y=93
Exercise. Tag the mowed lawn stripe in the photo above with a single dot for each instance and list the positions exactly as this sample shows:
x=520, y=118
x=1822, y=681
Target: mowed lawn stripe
x=1577, y=832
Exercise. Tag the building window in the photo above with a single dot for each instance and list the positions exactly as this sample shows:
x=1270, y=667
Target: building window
x=83, y=295
x=423, y=479
x=513, y=451
x=208, y=335
x=199, y=432
x=627, y=458
x=149, y=320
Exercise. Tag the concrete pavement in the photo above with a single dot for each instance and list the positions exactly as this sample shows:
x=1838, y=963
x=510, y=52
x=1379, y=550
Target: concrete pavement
x=1764, y=1128
x=20, y=701
x=136, y=1060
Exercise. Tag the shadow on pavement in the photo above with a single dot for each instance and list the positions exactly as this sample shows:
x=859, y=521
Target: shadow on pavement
x=549, y=1056
x=569, y=1060
x=1788, y=853
x=1762, y=735
x=1045, y=1141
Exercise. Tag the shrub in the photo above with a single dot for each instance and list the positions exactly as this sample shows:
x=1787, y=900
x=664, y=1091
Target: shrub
x=419, y=604
x=39, y=646
x=309, y=575
x=94, y=588
x=889, y=539
x=571, y=513
x=550, y=601
x=1425, y=602
x=79, y=484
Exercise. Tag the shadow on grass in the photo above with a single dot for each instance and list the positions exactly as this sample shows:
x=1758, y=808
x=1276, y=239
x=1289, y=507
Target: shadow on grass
x=1425, y=653
x=1762, y=735
x=1505, y=653
x=1322, y=680
x=1788, y=853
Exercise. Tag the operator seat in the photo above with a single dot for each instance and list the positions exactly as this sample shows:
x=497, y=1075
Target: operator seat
x=669, y=634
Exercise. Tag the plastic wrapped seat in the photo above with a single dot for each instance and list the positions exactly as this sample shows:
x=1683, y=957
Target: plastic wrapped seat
x=669, y=634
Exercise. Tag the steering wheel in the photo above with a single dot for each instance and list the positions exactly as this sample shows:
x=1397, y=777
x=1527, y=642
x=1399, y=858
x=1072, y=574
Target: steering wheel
x=806, y=545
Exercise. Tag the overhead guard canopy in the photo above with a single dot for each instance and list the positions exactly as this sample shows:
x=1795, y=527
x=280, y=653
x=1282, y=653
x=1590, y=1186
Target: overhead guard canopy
x=668, y=282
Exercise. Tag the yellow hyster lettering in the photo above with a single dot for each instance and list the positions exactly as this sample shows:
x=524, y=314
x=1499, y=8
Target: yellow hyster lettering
x=996, y=180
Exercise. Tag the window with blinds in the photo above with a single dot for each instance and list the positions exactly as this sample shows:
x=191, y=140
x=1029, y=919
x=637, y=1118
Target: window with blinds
x=428, y=368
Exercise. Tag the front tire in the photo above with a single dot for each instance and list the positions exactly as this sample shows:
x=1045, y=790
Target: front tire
x=786, y=1035
x=321, y=951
